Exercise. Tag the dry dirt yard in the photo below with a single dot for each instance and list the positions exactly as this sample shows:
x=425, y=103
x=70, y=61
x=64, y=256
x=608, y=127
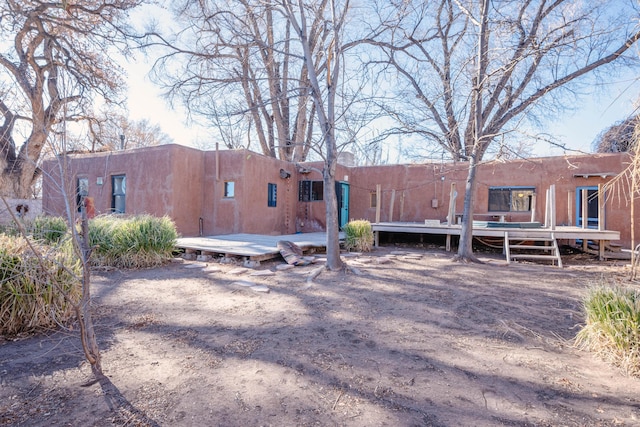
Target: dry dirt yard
x=400, y=340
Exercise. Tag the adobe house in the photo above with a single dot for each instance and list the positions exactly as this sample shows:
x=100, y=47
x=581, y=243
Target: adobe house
x=239, y=191
x=505, y=190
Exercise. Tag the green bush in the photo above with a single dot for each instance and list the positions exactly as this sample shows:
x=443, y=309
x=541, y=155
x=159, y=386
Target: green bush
x=358, y=236
x=32, y=289
x=612, y=326
x=9, y=230
x=131, y=242
x=49, y=229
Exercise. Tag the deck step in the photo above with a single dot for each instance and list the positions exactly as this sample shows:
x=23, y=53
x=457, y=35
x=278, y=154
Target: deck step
x=532, y=256
x=533, y=247
x=552, y=248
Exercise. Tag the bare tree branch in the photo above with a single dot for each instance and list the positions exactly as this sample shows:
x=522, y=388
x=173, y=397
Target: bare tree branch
x=53, y=46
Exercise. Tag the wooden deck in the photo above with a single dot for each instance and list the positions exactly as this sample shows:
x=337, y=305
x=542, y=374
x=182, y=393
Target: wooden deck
x=560, y=232
x=256, y=247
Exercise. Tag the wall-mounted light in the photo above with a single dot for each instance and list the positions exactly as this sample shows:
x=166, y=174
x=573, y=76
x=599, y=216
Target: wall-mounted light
x=284, y=174
x=99, y=180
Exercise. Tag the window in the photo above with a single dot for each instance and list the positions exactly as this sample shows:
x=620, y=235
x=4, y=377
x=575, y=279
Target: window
x=374, y=200
x=310, y=191
x=82, y=191
x=229, y=189
x=510, y=199
x=272, y=194
x=119, y=187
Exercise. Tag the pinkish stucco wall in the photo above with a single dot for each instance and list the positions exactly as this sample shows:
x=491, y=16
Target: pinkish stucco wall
x=417, y=185
x=248, y=210
x=158, y=180
x=185, y=184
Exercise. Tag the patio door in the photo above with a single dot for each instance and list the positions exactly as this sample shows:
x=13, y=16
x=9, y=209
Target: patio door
x=592, y=206
x=342, y=193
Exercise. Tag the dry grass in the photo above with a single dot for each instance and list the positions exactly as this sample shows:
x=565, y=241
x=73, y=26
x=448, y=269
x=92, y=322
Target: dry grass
x=132, y=242
x=612, y=327
x=33, y=288
x=358, y=236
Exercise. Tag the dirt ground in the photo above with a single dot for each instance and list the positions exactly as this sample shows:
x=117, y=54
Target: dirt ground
x=400, y=339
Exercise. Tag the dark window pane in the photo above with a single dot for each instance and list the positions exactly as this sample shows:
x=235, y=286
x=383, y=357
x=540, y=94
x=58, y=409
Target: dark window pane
x=304, y=191
x=499, y=200
x=317, y=190
x=272, y=194
x=310, y=191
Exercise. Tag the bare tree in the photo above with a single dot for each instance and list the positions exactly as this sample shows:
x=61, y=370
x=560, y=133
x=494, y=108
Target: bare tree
x=112, y=131
x=618, y=138
x=472, y=70
x=123, y=410
x=323, y=79
x=234, y=63
x=274, y=69
x=52, y=41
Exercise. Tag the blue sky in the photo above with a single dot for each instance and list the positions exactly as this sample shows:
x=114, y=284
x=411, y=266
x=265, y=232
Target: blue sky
x=575, y=129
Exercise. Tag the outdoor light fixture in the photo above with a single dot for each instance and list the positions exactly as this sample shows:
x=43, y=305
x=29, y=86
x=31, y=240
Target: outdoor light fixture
x=284, y=174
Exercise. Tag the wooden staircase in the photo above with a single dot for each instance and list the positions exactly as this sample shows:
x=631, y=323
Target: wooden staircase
x=549, y=248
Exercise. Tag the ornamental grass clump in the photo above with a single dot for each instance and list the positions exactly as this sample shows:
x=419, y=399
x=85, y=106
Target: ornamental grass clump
x=612, y=327
x=49, y=229
x=36, y=292
x=358, y=236
x=132, y=242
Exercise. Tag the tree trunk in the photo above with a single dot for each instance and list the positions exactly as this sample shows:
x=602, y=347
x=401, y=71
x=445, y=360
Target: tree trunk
x=331, y=202
x=480, y=142
x=465, y=247
x=325, y=111
x=19, y=174
x=87, y=332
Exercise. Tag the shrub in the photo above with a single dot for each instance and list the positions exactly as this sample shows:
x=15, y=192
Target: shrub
x=9, y=230
x=612, y=327
x=358, y=235
x=49, y=229
x=32, y=289
x=132, y=242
